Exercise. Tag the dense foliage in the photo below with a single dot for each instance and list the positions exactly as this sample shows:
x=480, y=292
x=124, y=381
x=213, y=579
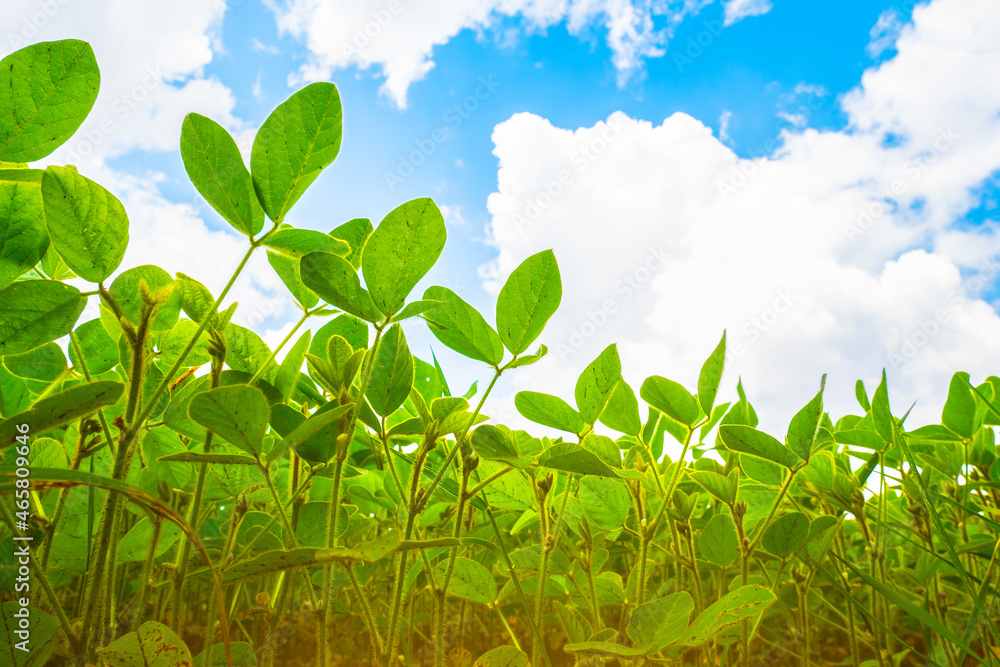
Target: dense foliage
x=184, y=493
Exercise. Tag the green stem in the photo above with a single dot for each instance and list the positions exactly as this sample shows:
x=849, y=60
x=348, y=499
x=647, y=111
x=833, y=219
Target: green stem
x=441, y=593
x=147, y=570
x=274, y=353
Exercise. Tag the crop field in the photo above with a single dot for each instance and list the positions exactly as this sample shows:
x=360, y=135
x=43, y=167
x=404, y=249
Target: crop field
x=175, y=493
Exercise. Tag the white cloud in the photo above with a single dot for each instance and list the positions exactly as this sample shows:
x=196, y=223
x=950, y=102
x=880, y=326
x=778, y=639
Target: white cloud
x=398, y=37
x=836, y=254
x=884, y=33
x=737, y=10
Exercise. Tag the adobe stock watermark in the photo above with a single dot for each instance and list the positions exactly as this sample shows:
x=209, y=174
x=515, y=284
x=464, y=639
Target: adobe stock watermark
x=365, y=35
x=695, y=46
x=33, y=24
x=88, y=140
x=912, y=170
x=629, y=285
x=758, y=325
x=930, y=327
x=452, y=119
x=580, y=161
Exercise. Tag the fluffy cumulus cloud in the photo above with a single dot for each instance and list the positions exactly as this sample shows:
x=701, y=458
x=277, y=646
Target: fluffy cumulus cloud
x=398, y=37
x=151, y=57
x=841, y=252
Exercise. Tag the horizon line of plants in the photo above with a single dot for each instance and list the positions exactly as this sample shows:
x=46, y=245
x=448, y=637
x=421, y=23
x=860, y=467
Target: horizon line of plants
x=345, y=505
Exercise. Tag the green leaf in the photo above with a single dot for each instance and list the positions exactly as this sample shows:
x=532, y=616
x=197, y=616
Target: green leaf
x=215, y=166
x=100, y=351
x=44, y=363
x=134, y=546
x=87, y=225
x=527, y=300
x=355, y=232
x=127, y=291
x=719, y=542
x=209, y=457
x=597, y=382
x=496, y=443
x=243, y=656
x=335, y=281
x=622, y=410
x=743, y=603
x=604, y=648
x=750, y=441
x=23, y=238
x=302, y=438
x=238, y=413
x=299, y=139
x=881, y=414
x=153, y=645
x=671, y=399
x=391, y=373
x=469, y=581
x=298, y=243
x=710, y=376
x=786, y=535
x=401, y=250
x=660, y=623
x=503, y=656
x=36, y=312
x=247, y=352
x=548, y=410
x=721, y=487
x=571, y=457
x=460, y=326
x=44, y=635
x=959, y=413
x=290, y=367
x=62, y=408
x=805, y=423
x=605, y=502
x=48, y=90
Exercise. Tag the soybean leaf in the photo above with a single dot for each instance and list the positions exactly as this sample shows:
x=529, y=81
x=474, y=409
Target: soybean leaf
x=622, y=410
x=134, y=546
x=100, y=351
x=127, y=290
x=671, y=399
x=401, y=250
x=604, y=648
x=659, y=623
x=23, y=239
x=215, y=167
x=710, y=376
x=496, y=443
x=597, y=382
x=503, y=656
x=805, y=423
x=243, y=655
x=291, y=365
x=960, y=408
x=152, y=645
x=527, y=300
x=36, y=312
x=297, y=141
x=391, y=373
x=743, y=603
x=750, y=441
x=719, y=542
x=571, y=457
x=45, y=363
x=209, y=457
x=605, y=502
x=238, y=413
x=62, y=408
x=881, y=414
x=548, y=410
x=302, y=438
x=470, y=581
x=335, y=281
x=786, y=535
x=355, y=232
x=719, y=486
x=460, y=326
x=44, y=635
x=48, y=90
x=300, y=242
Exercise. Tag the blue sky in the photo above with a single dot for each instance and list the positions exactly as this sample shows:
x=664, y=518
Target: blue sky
x=755, y=135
